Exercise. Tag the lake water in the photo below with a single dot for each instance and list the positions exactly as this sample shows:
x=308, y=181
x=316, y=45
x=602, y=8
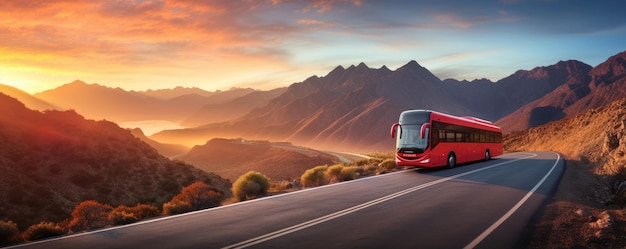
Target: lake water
x=150, y=127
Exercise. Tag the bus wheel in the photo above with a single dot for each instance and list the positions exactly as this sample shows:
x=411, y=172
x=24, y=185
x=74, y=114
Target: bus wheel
x=487, y=155
x=451, y=160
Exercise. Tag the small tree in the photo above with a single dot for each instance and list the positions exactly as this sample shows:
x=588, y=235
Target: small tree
x=250, y=185
x=8, y=229
x=43, y=230
x=90, y=215
x=196, y=196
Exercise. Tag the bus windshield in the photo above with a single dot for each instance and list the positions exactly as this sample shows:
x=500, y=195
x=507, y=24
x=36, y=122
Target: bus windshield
x=409, y=139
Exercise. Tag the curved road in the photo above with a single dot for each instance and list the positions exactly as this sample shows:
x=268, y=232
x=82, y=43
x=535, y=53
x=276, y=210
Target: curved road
x=481, y=205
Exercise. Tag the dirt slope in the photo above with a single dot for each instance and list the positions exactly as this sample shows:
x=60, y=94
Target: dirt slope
x=588, y=208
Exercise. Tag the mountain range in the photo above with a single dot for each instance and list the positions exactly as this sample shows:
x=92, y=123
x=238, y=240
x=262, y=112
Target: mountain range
x=352, y=108
x=98, y=102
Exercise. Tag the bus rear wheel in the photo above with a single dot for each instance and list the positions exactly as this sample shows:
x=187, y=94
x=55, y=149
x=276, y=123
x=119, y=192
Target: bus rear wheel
x=487, y=155
x=451, y=160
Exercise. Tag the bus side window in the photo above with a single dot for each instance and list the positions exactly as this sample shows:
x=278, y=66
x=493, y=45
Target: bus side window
x=435, y=137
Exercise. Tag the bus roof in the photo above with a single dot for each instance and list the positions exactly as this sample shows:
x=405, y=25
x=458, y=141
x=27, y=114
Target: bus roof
x=465, y=121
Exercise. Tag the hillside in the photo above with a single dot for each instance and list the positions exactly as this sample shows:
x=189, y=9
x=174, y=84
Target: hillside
x=231, y=158
x=52, y=161
x=586, y=89
x=30, y=101
x=593, y=188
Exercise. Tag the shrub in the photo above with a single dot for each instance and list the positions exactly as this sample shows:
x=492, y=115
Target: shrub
x=250, y=185
x=314, y=177
x=387, y=166
x=368, y=161
x=144, y=211
x=118, y=217
x=8, y=229
x=349, y=173
x=43, y=230
x=333, y=173
x=196, y=196
x=90, y=215
x=122, y=214
x=176, y=207
x=369, y=169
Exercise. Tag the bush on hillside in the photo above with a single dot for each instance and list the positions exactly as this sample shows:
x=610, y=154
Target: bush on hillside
x=333, y=173
x=250, y=185
x=196, y=196
x=43, y=230
x=90, y=215
x=176, y=207
x=314, y=177
x=122, y=214
x=350, y=172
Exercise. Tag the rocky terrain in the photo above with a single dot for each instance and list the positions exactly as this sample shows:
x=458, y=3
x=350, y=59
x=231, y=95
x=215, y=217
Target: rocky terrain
x=588, y=209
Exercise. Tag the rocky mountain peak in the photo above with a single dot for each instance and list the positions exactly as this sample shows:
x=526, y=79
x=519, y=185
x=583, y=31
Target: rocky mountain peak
x=611, y=70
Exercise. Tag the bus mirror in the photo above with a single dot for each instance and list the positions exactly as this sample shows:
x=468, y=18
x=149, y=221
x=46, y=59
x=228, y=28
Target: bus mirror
x=393, y=130
x=423, y=130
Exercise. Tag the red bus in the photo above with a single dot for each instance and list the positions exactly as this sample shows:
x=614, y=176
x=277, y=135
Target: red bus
x=427, y=138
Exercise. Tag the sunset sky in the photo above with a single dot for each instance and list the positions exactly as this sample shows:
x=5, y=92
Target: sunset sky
x=219, y=44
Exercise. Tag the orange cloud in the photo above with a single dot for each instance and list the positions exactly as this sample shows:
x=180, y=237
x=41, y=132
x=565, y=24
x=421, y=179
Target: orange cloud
x=323, y=6
x=317, y=23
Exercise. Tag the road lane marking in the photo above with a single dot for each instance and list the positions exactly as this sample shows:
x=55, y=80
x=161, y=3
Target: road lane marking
x=508, y=214
x=306, y=224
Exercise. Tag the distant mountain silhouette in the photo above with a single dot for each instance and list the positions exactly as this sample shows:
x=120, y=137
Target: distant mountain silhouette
x=231, y=158
x=28, y=100
x=165, y=94
x=587, y=88
x=116, y=104
x=237, y=107
x=52, y=161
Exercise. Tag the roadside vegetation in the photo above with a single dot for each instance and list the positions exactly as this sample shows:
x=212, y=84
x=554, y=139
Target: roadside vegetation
x=251, y=185
x=325, y=174
x=90, y=214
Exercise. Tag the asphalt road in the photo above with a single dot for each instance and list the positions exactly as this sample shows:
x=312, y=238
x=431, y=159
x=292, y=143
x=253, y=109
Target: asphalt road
x=481, y=205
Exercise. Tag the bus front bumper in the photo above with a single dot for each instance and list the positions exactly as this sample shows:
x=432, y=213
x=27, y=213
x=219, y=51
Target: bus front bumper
x=413, y=160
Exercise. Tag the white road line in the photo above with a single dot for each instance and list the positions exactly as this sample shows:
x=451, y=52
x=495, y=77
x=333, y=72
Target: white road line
x=306, y=224
x=508, y=214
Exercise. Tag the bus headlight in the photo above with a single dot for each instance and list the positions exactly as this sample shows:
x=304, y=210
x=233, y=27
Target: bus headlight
x=427, y=160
